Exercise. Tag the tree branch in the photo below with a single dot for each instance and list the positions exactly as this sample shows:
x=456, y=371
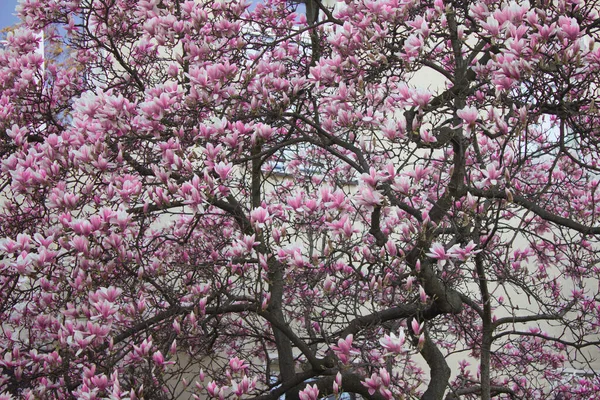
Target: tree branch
x=536, y=209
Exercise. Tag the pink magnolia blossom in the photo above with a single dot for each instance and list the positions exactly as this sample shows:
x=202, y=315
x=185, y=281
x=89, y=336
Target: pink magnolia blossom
x=392, y=343
x=463, y=253
x=413, y=46
x=210, y=188
x=245, y=386
x=310, y=392
x=329, y=284
x=421, y=97
x=492, y=174
x=569, y=27
x=469, y=115
x=344, y=349
x=422, y=295
x=385, y=377
x=416, y=327
x=492, y=26
x=369, y=196
x=212, y=389
x=158, y=358
x=344, y=227
x=260, y=216
x=421, y=341
x=237, y=365
x=223, y=170
x=427, y=136
x=438, y=252
x=337, y=383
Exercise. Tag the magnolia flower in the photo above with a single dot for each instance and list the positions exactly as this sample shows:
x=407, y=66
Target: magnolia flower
x=344, y=345
x=427, y=136
x=469, y=115
x=309, y=393
x=372, y=384
x=422, y=295
x=368, y=196
x=344, y=349
x=491, y=25
x=237, y=364
x=223, y=170
x=343, y=227
x=265, y=301
x=329, y=284
x=437, y=252
x=569, y=27
x=421, y=342
x=80, y=244
x=337, y=383
x=492, y=174
x=416, y=327
x=386, y=379
x=419, y=172
x=158, y=358
x=392, y=343
x=391, y=248
x=212, y=388
x=260, y=216
x=243, y=387
x=413, y=45
x=421, y=97
x=463, y=253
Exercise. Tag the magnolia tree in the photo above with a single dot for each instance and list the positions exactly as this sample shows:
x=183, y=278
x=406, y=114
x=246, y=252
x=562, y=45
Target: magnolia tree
x=218, y=199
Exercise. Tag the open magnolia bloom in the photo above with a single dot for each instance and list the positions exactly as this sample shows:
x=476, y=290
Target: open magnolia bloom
x=301, y=200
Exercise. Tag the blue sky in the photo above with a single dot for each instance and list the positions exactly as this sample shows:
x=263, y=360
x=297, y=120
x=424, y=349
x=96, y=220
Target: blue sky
x=7, y=11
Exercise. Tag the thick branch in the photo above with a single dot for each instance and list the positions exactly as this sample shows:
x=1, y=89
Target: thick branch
x=356, y=325
x=539, y=211
x=315, y=363
x=440, y=371
x=487, y=330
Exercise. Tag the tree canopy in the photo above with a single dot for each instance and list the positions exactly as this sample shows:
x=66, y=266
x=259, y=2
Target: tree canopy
x=397, y=199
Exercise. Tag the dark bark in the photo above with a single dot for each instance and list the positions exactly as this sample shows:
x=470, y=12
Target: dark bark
x=440, y=371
